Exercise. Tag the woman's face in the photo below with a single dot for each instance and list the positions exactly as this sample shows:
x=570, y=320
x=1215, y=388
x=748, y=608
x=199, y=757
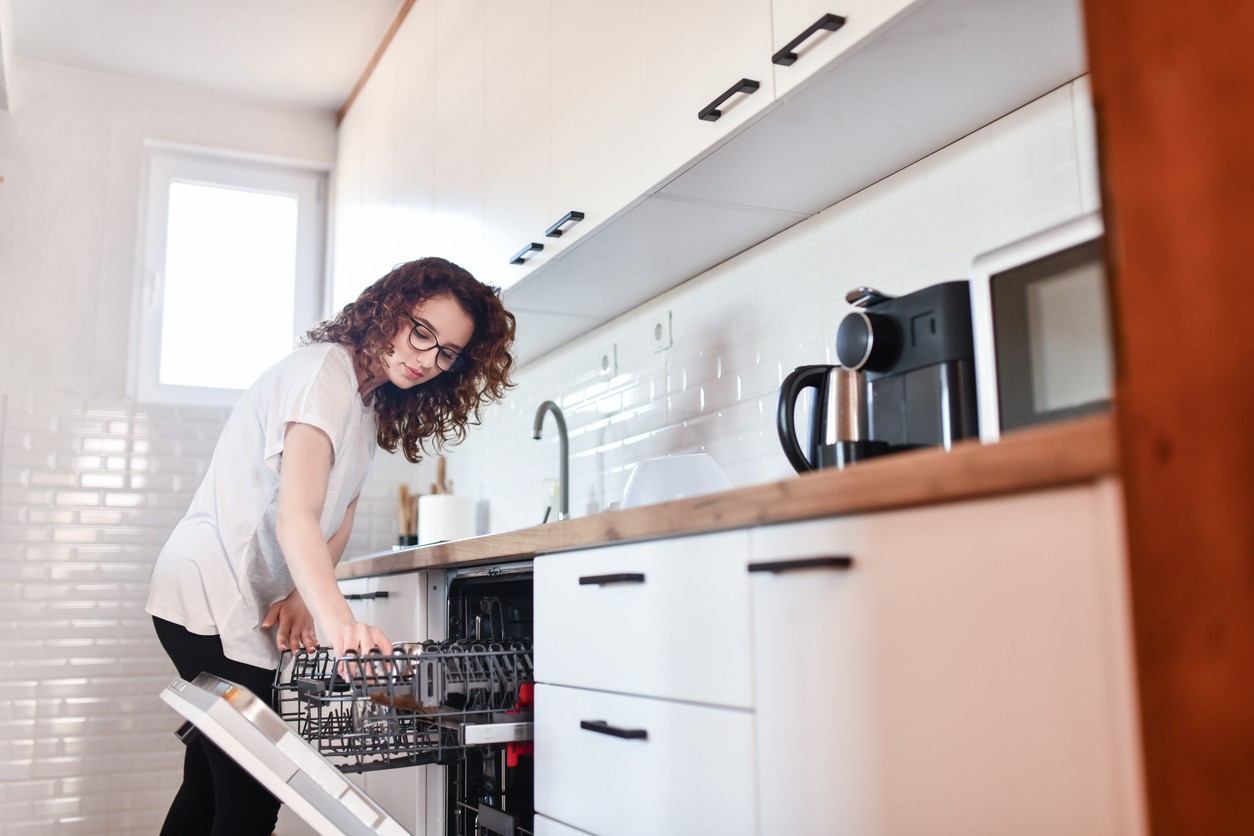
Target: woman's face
x=428, y=342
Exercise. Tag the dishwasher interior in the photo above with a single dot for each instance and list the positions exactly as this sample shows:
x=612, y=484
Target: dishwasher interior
x=463, y=702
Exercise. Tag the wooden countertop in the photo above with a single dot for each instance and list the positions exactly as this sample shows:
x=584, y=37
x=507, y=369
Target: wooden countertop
x=1055, y=455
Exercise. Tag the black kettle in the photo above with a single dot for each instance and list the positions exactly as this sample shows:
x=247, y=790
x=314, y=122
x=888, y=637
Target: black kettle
x=838, y=431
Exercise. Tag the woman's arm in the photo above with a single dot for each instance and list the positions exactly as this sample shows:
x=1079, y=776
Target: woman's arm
x=303, y=476
x=290, y=619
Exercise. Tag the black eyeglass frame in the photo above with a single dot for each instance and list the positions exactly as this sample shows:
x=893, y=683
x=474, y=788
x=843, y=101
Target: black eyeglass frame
x=457, y=355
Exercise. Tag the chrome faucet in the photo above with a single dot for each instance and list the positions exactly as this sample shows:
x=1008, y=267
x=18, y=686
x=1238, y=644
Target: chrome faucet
x=563, y=482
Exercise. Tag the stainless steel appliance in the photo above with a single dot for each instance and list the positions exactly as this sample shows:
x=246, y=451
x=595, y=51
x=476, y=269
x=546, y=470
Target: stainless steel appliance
x=463, y=702
x=906, y=379
x=1042, y=328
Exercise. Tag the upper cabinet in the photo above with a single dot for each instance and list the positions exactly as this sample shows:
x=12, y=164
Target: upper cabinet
x=589, y=155
x=705, y=71
x=810, y=35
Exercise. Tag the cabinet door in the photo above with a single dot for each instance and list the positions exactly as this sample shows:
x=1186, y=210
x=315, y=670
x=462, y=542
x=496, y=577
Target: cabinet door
x=384, y=165
x=413, y=56
x=457, y=184
x=595, y=156
x=516, y=178
x=399, y=606
x=691, y=54
x=794, y=18
x=968, y=674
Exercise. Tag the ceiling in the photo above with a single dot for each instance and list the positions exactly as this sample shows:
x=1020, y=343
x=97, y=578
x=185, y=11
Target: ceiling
x=301, y=52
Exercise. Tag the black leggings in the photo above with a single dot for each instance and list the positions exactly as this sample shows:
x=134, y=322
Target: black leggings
x=217, y=796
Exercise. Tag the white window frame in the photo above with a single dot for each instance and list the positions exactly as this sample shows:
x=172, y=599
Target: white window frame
x=165, y=164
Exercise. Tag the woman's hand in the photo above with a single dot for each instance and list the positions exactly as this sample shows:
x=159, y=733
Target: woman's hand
x=361, y=638
x=293, y=625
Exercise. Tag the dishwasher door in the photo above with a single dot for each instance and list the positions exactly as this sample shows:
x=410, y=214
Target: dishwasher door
x=248, y=730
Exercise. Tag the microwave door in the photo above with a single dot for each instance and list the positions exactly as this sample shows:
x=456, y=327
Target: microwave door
x=257, y=738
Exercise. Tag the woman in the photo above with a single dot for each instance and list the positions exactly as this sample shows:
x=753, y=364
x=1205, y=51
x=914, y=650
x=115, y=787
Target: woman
x=250, y=570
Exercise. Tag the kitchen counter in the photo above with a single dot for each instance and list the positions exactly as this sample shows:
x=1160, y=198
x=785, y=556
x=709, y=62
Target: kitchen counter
x=1051, y=456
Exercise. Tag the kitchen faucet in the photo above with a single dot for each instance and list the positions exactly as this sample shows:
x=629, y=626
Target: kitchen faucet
x=563, y=510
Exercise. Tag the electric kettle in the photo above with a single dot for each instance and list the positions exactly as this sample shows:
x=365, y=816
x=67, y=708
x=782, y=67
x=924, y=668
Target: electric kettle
x=838, y=418
x=906, y=380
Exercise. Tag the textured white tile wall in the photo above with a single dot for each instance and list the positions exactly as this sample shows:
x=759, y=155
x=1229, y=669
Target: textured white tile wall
x=88, y=493
x=742, y=326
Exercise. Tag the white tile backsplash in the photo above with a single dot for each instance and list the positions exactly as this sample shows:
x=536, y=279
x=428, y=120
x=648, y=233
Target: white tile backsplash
x=90, y=490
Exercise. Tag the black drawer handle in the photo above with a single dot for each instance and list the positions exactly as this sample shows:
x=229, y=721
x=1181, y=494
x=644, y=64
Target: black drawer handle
x=839, y=561
x=787, y=56
x=364, y=596
x=602, y=580
x=520, y=257
x=571, y=217
x=602, y=727
x=711, y=113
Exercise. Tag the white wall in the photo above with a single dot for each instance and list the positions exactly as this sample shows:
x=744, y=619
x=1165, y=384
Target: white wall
x=741, y=327
x=71, y=158
x=90, y=484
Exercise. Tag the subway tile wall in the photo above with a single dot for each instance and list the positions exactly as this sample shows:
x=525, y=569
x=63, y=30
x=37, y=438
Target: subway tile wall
x=89, y=491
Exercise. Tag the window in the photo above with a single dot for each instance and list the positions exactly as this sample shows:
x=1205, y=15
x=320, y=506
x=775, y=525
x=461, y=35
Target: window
x=231, y=273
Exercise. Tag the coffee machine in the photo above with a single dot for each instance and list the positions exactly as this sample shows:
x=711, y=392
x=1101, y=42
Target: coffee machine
x=906, y=379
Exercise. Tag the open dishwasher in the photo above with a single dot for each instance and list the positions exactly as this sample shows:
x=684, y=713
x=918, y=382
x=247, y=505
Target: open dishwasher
x=462, y=702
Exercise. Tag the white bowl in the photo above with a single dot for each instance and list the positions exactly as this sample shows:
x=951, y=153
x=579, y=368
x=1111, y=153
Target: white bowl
x=673, y=477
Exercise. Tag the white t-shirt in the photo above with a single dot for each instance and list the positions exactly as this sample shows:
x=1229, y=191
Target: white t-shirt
x=222, y=568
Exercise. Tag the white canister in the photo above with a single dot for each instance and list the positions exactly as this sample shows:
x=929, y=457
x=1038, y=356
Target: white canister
x=445, y=516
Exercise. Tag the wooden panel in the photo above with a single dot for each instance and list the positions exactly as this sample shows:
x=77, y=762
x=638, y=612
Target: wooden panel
x=1173, y=90
x=1062, y=454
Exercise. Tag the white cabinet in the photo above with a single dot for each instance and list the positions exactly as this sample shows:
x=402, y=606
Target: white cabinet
x=643, y=702
x=612, y=764
x=457, y=118
x=562, y=139
x=968, y=673
x=596, y=154
x=820, y=31
x=692, y=54
x=666, y=619
x=385, y=166
x=517, y=94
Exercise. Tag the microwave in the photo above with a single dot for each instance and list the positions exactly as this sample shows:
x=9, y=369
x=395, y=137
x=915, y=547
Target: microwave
x=1042, y=328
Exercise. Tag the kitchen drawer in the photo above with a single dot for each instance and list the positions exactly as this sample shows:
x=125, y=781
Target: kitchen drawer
x=668, y=618
x=691, y=771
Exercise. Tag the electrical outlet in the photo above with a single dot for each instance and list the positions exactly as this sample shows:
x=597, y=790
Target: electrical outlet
x=660, y=332
x=607, y=360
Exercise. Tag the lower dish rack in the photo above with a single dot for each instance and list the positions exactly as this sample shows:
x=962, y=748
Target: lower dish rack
x=422, y=703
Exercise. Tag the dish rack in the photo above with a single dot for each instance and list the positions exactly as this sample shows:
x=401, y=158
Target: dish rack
x=422, y=703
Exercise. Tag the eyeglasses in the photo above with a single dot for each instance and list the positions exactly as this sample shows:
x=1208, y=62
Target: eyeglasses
x=422, y=339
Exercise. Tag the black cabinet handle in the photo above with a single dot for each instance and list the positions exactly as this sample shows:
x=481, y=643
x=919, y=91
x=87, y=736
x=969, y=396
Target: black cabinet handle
x=571, y=217
x=520, y=257
x=787, y=56
x=839, y=561
x=602, y=727
x=365, y=596
x=711, y=113
x=602, y=580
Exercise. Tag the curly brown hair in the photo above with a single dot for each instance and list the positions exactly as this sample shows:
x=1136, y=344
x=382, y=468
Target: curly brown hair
x=438, y=411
